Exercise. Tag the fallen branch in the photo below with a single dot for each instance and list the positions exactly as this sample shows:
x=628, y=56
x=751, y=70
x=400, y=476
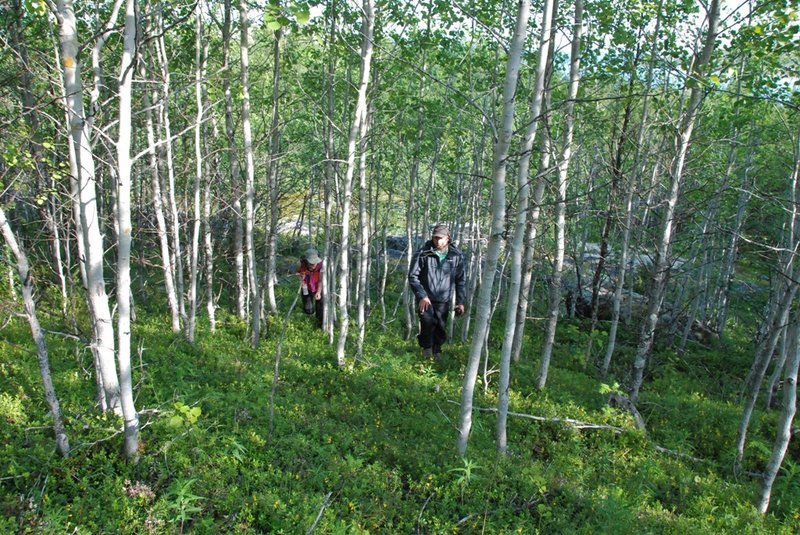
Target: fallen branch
x=680, y=455
x=577, y=424
x=325, y=504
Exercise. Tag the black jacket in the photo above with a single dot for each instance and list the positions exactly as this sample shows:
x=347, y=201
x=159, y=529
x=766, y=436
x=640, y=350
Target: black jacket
x=428, y=278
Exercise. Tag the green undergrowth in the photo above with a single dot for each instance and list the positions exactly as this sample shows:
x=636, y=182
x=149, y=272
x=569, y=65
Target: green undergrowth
x=371, y=448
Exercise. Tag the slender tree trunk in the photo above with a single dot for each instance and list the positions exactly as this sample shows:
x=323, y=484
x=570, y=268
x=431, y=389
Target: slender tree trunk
x=208, y=243
x=501, y=148
x=784, y=433
x=233, y=158
x=84, y=167
x=364, y=232
x=368, y=25
x=250, y=173
x=538, y=193
x=274, y=149
x=517, y=243
x=328, y=274
x=776, y=318
x=198, y=182
x=131, y=446
x=46, y=184
x=661, y=265
x=561, y=205
x=173, y=205
x=26, y=279
x=158, y=208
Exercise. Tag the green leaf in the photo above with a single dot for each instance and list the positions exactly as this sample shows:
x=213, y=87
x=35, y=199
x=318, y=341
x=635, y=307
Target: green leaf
x=175, y=421
x=302, y=17
x=274, y=25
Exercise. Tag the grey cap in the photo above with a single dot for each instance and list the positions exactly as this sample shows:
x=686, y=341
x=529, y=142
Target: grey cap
x=441, y=230
x=312, y=256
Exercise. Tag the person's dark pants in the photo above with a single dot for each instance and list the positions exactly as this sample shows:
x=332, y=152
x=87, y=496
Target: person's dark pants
x=313, y=306
x=432, y=326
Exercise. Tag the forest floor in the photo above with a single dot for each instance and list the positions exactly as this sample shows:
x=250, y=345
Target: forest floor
x=371, y=448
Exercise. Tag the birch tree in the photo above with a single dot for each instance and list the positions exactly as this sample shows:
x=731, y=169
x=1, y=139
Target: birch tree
x=788, y=412
x=158, y=204
x=26, y=280
x=84, y=167
x=523, y=180
x=561, y=201
x=368, y=24
x=272, y=172
x=683, y=138
x=233, y=160
x=250, y=174
x=200, y=53
x=501, y=148
x=131, y=445
x=164, y=121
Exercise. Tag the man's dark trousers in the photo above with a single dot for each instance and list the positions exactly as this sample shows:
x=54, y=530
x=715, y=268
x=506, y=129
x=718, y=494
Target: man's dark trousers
x=432, y=334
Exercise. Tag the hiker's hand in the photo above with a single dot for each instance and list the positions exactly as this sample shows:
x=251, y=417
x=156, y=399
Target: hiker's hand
x=318, y=295
x=459, y=309
x=424, y=304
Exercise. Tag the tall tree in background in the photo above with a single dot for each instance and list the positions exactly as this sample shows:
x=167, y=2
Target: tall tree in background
x=200, y=57
x=270, y=276
x=561, y=201
x=517, y=244
x=686, y=122
x=233, y=163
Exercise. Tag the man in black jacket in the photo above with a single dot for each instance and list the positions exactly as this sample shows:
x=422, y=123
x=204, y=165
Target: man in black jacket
x=435, y=269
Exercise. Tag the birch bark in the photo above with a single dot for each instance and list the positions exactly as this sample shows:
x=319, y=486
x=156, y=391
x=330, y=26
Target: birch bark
x=131, y=418
x=501, y=149
x=661, y=264
x=26, y=280
x=523, y=180
x=250, y=172
x=561, y=204
x=368, y=25
x=200, y=54
x=84, y=167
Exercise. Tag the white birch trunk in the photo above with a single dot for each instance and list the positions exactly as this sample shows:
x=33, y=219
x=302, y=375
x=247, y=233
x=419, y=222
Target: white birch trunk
x=360, y=116
x=131, y=418
x=328, y=274
x=274, y=148
x=198, y=183
x=538, y=192
x=103, y=328
x=177, y=255
x=364, y=231
x=158, y=207
x=517, y=244
x=233, y=158
x=501, y=147
x=208, y=250
x=250, y=173
x=26, y=280
x=561, y=204
x=661, y=265
x=784, y=433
